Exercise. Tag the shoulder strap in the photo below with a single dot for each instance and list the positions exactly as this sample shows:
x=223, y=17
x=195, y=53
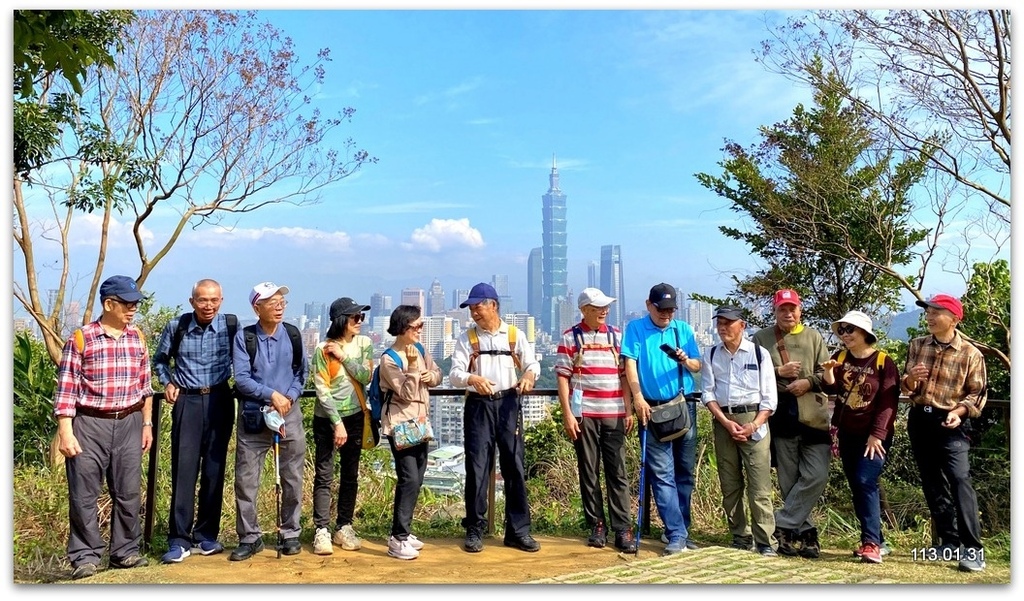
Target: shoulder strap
x=79, y=337
x=757, y=353
x=296, y=337
x=779, y=344
x=179, y=333
x=880, y=361
x=474, y=339
x=577, y=337
x=711, y=358
x=512, y=347
x=250, y=343
x=232, y=321
x=423, y=351
x=842, y=356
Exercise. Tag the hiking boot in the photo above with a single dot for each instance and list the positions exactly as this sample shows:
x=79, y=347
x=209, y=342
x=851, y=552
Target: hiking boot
x=743, y=543
x=415, y=542
x=322, y=542
x=523, y=543
x=84, y=570
x=473, y=542
x=870, y=553
x=401, y=549
x=598, y=536
x=625, y=542
x=291, y=546
x=346, y=538
x=787, y=540
x=208, y=547
x=766, y=551
x=246, y=550
x=127, y=563
x=175, y=554
x=811, y=549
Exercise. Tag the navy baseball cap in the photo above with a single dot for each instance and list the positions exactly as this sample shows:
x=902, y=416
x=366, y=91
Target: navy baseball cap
x=663, y=296
x=121, y=286
x=479, y=294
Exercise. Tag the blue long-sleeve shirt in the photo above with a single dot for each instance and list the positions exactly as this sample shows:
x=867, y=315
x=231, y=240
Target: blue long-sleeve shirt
x=204, y=357
x=272, y=369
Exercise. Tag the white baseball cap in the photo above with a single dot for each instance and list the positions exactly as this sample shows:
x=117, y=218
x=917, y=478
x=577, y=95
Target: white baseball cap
x=265, y=290
x=593, y=296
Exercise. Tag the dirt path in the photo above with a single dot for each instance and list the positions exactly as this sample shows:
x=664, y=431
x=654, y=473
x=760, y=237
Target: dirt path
x=442, y=561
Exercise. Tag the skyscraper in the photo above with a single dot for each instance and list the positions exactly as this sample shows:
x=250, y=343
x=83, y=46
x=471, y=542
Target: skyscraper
x=500, y=283
x=534, y=283
x=459, y=295
x=611, y=282
x=553, y=275
x=593, y=281
x=414, y=296
x=435, y=299
x=380, y=305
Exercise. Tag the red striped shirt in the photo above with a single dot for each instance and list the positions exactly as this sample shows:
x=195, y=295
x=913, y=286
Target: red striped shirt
x=598, y=375
x=109, y=374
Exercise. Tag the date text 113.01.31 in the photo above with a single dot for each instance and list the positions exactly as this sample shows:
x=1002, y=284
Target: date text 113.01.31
x=947, y=553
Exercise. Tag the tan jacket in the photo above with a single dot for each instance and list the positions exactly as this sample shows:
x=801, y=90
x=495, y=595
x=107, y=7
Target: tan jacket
x=411, y=398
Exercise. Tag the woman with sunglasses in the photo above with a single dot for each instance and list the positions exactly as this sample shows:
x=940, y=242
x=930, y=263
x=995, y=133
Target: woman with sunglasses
x=342, y=365
x=409, y=378
x=865, y=382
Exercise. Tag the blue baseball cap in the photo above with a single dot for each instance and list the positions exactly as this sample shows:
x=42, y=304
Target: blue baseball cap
x=479, y=294
x=121, y=286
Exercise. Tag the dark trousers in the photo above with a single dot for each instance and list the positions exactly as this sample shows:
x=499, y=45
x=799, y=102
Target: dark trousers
x=410, y=465
x=111, y=453
x=348, y=478
x=602, y=440
x=489, y=424
x=941, y=456
x=863, y=474
x=201, y=428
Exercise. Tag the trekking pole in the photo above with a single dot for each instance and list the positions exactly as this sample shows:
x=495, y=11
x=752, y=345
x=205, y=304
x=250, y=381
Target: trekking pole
x=277, y=489
x=640, y=506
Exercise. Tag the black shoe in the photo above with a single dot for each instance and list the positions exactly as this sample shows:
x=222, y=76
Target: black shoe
x=85, y=570
x=246, y=550
x=810, y=548
x=132, y=561
x=787, y=540
x=743, y=543
x=291, y=546
x=624, y=541
x=598, y=536
x=473, y=542
x=523, y=543
x=766, y=551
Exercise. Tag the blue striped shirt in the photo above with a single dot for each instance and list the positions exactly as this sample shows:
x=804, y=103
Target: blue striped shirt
x=204, y=356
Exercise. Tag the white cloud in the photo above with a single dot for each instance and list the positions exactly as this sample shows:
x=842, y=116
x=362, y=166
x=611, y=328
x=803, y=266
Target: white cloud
x=86, y=229
x=303, y=238
x=443, y=234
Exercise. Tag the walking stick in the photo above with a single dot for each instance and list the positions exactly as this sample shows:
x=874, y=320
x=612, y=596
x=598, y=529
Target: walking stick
x=277, y=489
x=643, y=470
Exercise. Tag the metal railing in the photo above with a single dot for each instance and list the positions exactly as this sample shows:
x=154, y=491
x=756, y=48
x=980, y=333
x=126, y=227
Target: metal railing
x=158, y=398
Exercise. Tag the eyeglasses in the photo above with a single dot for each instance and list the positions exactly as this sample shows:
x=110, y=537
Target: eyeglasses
x=356, y=318
x=126, y=304
x=206, y=302
x=416, y=327
x=597, y=309
x=280, y=304
x=846, y=329
x=668, y=311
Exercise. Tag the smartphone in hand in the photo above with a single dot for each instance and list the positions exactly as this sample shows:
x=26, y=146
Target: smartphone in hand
x=670, y=351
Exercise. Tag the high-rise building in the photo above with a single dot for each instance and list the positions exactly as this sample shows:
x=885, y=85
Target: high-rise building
x=435, y=299
x=534, y=283
x=459, y=295
x=380, y=305
x=317, y=317
x=554, y=274
x=414, y=296
x=500, y=283
x=611, y=283
x=592, y=278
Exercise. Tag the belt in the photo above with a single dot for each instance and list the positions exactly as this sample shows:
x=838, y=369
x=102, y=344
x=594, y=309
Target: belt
x=204, y=389
x=740, y=408
x=119, y=414
x=494, y=396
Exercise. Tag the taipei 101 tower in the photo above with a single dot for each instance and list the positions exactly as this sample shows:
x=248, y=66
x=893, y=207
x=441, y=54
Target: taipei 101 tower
x=554, y=279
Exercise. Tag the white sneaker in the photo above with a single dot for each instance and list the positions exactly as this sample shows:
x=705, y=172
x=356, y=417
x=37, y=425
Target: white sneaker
x=346, y=538
x=401, y=549
x=322, y=542
x=415, y=542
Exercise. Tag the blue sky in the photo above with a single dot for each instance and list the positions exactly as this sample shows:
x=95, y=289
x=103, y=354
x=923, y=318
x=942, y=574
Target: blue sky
x=466, y=112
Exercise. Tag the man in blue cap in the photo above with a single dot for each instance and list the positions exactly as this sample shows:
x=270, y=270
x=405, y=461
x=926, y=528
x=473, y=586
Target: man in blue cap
x=103, y=406
x=495, y=365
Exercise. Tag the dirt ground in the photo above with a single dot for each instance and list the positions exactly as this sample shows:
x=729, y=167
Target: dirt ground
x=442, y=561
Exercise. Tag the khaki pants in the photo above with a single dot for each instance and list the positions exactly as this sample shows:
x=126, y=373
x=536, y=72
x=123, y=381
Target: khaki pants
x=754, y=458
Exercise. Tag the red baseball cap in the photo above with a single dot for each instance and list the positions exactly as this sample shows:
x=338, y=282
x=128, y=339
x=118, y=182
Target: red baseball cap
x=787, y=296
x=944, y=301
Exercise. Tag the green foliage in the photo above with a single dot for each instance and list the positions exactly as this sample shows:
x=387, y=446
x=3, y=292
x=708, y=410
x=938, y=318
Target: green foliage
x=987, y=319
x=829, y=211
x=35, y=380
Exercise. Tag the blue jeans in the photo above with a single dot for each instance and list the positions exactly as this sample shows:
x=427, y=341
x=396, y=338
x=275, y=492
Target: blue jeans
x=862, y=474
x=670, y=471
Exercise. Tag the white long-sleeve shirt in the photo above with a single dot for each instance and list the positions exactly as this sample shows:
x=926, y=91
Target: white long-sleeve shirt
x=735, y=379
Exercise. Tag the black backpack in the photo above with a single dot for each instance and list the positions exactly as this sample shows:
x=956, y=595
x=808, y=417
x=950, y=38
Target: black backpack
x=293, y=334
x=182, y=327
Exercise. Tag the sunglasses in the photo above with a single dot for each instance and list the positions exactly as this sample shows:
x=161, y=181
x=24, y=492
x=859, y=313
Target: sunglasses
x=126, y=304
x=416, y=327
x=666, y=311
x=357, y=317
x=846, y=329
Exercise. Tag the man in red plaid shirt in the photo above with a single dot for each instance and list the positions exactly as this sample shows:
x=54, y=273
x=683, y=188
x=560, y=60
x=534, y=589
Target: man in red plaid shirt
x=103, y=407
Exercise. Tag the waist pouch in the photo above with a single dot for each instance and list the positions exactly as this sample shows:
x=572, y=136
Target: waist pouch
x=252, y=417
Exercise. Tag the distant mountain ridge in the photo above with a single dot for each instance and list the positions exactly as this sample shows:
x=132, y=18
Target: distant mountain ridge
x=899, y=322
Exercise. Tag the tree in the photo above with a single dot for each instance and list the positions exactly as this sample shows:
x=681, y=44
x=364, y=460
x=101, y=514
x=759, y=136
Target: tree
x=204, y=114
x=987, y=318
x=829, y=210
x=937, y=80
